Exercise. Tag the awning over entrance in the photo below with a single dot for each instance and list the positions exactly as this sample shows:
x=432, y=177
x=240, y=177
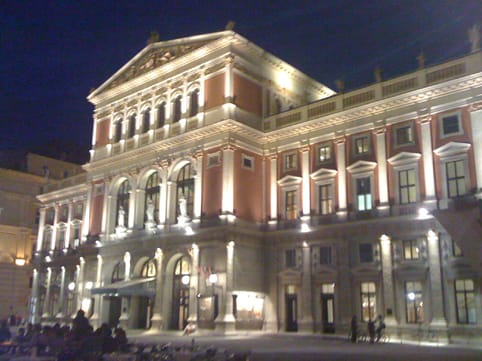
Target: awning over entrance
x=134, y=287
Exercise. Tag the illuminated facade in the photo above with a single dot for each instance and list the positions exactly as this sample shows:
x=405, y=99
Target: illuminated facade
x=227, y=189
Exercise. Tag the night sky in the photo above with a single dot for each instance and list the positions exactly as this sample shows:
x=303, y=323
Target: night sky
x=53, y=52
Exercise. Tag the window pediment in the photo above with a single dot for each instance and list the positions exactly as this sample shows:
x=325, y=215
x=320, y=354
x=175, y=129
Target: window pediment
x=289, y=180
x=361, y=166
x=452, y=148
x=323, y=173
x=404, y=158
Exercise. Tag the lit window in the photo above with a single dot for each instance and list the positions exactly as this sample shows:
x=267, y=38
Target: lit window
x=404, y=135
x=455, y=178
x=410, y=250
x=194, y=103
x=465, y=299
x=185, y=189
x=176, y=109
x=61, y=239
x=362, y=145
x=117, y=131
x=290, y=258
x=146, y=120
x=366, y=252
x=78, y=210
x=118, y=274
x=122, y=203
x=450, y=125
x=290, y=161
x=324, y=153
x=132, y=126
x=326, y=199
x=368, y=301
x=363, y=194
x=407, y=186
x=161, y=115
x=325, y=255
x=291, y=207
x=149, y=268
x=47, y=239
x=414, y=302
x=152, y=197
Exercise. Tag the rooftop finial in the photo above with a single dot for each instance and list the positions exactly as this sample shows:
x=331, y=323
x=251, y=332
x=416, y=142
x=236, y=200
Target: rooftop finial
x=230, y=25
x=474, y=38
x=340, y=85
x=421, y=60
x=153, y=38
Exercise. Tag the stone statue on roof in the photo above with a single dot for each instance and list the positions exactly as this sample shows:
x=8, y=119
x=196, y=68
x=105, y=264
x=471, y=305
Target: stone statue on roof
x=474, y=38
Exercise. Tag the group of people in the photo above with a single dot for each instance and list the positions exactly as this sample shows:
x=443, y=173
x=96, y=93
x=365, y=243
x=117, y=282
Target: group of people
x=375, y=329
x=67, y=343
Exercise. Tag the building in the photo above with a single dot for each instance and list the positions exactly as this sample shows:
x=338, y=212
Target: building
x=22, y=178
x=229, y=190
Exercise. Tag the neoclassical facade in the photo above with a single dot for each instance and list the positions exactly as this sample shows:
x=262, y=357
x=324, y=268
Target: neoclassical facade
x=229, y=190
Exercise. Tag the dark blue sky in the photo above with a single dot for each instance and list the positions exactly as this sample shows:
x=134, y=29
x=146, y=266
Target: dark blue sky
x=53, y=52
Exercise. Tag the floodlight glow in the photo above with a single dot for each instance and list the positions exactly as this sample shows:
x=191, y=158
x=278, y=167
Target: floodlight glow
x=185, y=280
x=20, y=261
x=411, y=296
x=305, y=228
x=89, y=285
x=213, y=278
x=423, y=212
x=71, y=286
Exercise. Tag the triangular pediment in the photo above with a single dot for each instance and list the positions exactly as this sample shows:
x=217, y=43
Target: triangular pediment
x=404, y=158
x=452, y=148
x=289, y=180
x=361, y=166
x=323, y=173
x=156, y=55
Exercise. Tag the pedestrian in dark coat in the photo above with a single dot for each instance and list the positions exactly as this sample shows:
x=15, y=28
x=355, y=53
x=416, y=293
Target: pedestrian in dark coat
x=371, y=330
x=354, y=328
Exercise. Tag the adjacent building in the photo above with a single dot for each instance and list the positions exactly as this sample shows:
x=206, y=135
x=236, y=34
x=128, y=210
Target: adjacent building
x=229, y=190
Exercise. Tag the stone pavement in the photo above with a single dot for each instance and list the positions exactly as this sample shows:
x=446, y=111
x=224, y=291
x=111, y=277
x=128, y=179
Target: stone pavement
x=312, y=347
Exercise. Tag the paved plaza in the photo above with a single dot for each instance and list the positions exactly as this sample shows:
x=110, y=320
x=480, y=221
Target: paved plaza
x=299, y=347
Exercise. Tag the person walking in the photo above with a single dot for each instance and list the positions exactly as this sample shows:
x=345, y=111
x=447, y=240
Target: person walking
x=354, y=329
x=371, y=330
x=380, y=327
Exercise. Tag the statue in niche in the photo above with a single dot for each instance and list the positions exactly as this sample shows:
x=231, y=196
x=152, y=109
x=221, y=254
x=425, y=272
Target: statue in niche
x=150, y=210
x=182, y=206
x=121, y=217
x=474, y=38
x=421, y=60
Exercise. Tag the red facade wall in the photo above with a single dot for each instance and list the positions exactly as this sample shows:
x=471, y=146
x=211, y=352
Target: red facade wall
x=212, y=188
x=247, y=94
x=214, y=92
x=102, y=132
x=96, y=214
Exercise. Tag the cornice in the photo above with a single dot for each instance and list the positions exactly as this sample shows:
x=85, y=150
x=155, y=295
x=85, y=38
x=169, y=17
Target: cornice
x=69, y=192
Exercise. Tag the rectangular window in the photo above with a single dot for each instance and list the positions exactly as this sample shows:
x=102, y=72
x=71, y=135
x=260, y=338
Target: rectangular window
x=214, y=159
x=325, y=255
x=366, y=252
x=465, y=299
x=455, y=178
x=291, y=208
x=290, y=161
x=368, y=301
x=324, y=153
x=414, y=302
x=451, y=125
x=410, y=250
x=79, y=208
x=290, y=258
x=362, y=145
x=407, y=186
x=363, y=194
x=117, y=131
x=326, y=201
x=404, y=135
x=247, y=162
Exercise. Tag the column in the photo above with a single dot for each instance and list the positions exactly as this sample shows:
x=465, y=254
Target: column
x=124, y=317
x=428, y=171
x=157, y=321
x=140, y=204
x=69, y=225
x=306, y=322
x=381, y=154
x=132, y=209
x=305, y=173
x=225, y=320
x=202, y=90
x=341, y=168
x=476, y=122
x=86, y=214
x=436, y=287
x=95, y=318
x=194, y=285
x=80, y=282
x=169, y=203
x=34, y=301
x=163, y=191
x=388, y=291
x=106, y=209
x=198, y=182
x=228, y=179
x=41, y=226
x=228, y=79
x=45, y=311
x=61, y=309
x=273, y=187
x=55, y=227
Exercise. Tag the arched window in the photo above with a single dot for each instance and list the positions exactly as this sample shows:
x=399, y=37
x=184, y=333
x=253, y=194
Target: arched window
x=185, y=189
x=176, y=109
x=182, y=267
x=117, y=131
x=152, y=196
x=132, y=126
x=149, y=268
x=122, y=211
x=118, y=274
x=194, y=103
x=161, y=115
x=146, y=121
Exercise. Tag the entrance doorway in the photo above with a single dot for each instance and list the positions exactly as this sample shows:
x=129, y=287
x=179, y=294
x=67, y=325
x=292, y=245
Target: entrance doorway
x=328, y=307
x=114, y=310
x=291, y=305
x=180, y=294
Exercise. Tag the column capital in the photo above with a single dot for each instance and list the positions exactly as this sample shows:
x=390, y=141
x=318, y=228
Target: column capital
x=229, y=147
x=475, y=106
